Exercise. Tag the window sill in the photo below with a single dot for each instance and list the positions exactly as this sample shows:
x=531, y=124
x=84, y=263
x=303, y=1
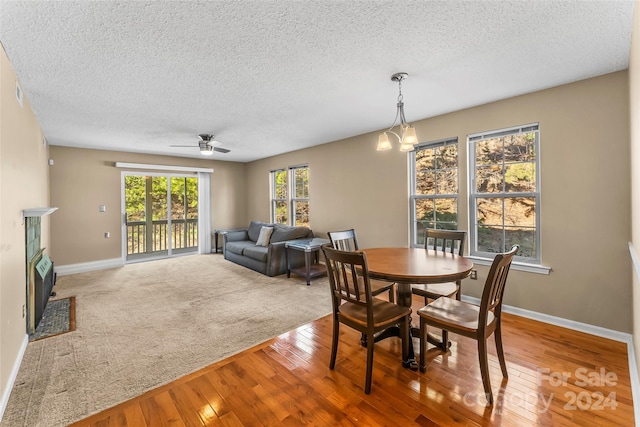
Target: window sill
x=520, y=266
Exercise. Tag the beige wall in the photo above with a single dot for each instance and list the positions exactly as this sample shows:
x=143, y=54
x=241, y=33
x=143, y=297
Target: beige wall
x=585, y=206
x=82, y=180
x=24, y=184
x=634, y=114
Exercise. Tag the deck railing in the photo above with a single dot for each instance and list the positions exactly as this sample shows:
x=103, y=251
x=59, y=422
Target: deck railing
x=184, y=234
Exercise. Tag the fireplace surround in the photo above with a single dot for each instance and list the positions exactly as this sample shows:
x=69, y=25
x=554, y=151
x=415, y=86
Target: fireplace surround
x=41, y=276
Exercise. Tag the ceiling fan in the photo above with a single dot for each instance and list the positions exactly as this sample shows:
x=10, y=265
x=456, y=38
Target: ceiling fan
x=206, y=145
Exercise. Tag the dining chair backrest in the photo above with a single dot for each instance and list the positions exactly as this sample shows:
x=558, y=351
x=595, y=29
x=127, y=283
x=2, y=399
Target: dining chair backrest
x=451, y=240
x=348, y=277
x=494, y=286
x=345, y=240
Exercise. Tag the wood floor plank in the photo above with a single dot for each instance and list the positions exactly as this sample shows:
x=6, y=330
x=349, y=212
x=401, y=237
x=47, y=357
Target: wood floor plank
x=286, y=381
x=190, y=404
x=133, y=416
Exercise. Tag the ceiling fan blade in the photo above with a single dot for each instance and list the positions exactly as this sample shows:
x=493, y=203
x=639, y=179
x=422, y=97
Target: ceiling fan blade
x=191, y=146
x=220, y=150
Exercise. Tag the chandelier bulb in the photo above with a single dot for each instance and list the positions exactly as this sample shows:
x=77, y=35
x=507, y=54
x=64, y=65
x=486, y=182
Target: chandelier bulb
x=383, y=142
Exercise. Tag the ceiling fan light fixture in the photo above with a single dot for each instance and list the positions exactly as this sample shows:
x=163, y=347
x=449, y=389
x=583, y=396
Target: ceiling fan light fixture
x=206, y=150
x=206, y=145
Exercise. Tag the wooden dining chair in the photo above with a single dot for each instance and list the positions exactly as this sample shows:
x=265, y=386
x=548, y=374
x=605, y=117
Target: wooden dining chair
x=346, y=240
x=470, y=320
x=446, y=241
x=355, y=306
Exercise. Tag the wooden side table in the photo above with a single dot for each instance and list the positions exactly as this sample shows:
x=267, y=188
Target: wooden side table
x=311, y=267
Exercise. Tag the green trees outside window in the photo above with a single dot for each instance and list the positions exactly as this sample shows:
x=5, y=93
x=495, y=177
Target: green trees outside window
x=504, y=192
x=434, y=188
x=280, y=197
x=148, y=202
x=290, y=196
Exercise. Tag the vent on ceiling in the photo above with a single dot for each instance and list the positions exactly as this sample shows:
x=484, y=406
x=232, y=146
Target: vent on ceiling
x=19, y=94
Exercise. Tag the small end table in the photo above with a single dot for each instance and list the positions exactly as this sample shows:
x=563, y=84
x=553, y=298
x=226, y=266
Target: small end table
x=311, y=267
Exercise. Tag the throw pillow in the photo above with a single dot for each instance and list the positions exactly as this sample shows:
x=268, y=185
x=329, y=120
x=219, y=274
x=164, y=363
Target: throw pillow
x=263, y=238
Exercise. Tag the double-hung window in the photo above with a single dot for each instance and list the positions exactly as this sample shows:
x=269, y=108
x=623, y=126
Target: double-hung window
x=434, y=188
x=290, y=195
x=279, y=196
x=504, y=189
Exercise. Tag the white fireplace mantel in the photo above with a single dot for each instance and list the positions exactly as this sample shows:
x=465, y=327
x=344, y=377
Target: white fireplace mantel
x=37, y=212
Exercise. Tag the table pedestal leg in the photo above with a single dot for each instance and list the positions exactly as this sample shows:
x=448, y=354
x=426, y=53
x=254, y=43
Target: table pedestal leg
x=404, y=298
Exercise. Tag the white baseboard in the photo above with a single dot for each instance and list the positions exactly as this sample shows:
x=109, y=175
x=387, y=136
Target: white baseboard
x=63, y=270
x=12, y=378
x=559, y=321
x=588, y=329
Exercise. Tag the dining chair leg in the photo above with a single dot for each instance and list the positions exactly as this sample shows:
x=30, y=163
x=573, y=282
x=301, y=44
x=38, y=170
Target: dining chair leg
x=459, y=293
x=370, y=343
x=334, y=342
x=423, y=345
x=484, y=368
x=499, y=350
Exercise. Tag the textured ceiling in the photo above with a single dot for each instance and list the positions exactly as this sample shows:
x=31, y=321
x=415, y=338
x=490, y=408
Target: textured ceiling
x=269, y=77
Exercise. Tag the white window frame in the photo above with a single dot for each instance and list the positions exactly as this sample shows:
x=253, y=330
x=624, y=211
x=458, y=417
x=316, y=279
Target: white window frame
x=274, y=200
x=291, y=200
x=292, y=193
x=413, y=197
x=520, y=263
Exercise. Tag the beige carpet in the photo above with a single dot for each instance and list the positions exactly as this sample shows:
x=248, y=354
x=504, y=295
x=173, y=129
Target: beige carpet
x=146, y=324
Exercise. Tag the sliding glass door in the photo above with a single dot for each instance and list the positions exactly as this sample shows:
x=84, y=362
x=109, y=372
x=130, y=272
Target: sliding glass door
x=161, y=215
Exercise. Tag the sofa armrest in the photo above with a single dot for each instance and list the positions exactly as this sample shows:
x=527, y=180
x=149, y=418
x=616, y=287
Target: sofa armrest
x=277, y=259
x=235, y=236
x=276, y=247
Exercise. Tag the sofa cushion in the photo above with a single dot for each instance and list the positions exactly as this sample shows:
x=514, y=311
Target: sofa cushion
x=254, y=229
x=239, y=246
x=258, y=253
x=265, y=235
x=282, y=233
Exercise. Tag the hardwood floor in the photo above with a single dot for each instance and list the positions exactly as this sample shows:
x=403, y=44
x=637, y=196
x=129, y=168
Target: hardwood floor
x=557, y=377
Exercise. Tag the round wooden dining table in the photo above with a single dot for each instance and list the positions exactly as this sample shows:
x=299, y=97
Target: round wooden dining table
x=405, y=266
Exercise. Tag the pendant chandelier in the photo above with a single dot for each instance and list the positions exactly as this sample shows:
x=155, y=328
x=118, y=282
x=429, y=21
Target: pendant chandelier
x=407, y=133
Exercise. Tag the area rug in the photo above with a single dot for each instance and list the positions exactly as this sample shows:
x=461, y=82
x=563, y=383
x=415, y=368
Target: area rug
x=59, y=318
x=146, y=324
